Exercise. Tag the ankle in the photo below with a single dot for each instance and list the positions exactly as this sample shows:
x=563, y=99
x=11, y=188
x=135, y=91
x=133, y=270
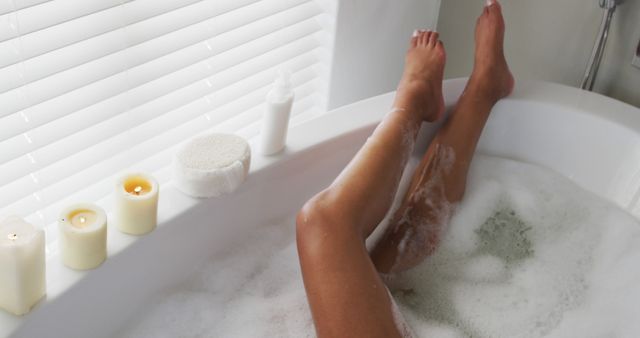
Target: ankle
x=418, y=100
x=411, y=90
x=481, y=81
x=492, y=81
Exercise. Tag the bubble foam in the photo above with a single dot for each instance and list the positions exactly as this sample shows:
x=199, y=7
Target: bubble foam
x=524, y=258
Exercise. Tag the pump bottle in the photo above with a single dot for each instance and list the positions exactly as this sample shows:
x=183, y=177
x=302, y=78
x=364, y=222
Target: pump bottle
x=275, y=122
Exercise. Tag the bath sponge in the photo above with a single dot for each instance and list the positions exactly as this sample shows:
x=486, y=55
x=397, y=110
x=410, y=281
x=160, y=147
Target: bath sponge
x=211, y=165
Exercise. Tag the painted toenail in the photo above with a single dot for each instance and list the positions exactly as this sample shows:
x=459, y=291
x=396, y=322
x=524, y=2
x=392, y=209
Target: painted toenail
x=415, y=33
x=490, y=3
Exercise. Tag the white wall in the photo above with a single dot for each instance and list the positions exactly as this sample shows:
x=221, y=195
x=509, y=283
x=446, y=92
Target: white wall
x=371, y=39
x=550, y=40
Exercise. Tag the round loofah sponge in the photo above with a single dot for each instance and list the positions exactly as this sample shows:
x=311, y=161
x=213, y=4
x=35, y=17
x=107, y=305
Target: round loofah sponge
x=211, y=165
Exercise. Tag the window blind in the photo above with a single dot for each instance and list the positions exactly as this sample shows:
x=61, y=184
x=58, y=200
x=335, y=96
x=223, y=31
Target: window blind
x=90, y=89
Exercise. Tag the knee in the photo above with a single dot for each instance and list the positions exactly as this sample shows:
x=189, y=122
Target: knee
x=315, y=216
x=321, y=221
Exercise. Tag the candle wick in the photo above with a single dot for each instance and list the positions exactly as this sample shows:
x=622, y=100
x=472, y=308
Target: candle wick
x=137, y=190
x=12, y=237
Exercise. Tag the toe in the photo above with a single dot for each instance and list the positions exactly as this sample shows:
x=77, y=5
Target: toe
x=493, y=7
x=485, y=10
x=425, y=38
x=434, y=38
x=421, y=39
x=495, y=13
x=414, y=38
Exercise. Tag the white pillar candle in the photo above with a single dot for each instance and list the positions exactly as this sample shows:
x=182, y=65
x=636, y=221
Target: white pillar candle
x=137, y=204
x=83, y=236
x=22, y=265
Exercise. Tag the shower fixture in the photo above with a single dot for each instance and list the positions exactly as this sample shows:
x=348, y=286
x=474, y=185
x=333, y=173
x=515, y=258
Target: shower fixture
x=591, y=72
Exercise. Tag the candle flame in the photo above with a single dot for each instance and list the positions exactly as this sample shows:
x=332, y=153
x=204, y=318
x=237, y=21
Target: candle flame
x=137, y=190
x=12, y=237
x=82, y=219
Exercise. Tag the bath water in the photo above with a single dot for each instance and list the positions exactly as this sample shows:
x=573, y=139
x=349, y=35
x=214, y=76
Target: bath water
x=527, y=254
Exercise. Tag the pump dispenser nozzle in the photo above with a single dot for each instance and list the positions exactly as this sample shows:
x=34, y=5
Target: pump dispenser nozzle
x=282, y=87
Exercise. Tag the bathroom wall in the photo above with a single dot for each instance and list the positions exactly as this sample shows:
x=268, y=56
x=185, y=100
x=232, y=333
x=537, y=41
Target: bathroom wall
x=551, y=40
x=370, y=42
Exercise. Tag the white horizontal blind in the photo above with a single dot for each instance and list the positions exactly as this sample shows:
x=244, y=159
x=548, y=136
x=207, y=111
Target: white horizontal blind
x=92, y=88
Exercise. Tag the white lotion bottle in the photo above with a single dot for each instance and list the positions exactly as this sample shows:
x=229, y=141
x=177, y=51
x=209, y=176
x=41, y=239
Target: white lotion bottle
x=275, y=123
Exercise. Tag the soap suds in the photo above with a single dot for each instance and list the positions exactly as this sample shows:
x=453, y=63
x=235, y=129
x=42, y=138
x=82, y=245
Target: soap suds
x=520, y=257
x=427, y=228
x=527, y=254
x=409, y=133
x=254, y=292
x=399, y=320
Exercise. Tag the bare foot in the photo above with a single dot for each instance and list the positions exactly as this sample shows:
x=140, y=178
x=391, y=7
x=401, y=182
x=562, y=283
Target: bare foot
x=490, y=66
x=420, y=89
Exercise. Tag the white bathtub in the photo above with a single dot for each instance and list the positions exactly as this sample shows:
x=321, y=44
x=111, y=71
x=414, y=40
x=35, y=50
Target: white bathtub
x=591, y=139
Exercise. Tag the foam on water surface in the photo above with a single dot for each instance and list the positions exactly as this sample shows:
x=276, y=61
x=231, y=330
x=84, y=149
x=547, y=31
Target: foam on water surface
x=527, y=254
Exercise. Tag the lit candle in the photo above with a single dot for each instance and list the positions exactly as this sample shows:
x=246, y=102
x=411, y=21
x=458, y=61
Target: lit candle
x=83, y=236
x=22, y=265
x=137, y=204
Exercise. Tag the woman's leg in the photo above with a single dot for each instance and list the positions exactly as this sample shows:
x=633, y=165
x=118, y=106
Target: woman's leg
x=440, y=179
x=345, y=293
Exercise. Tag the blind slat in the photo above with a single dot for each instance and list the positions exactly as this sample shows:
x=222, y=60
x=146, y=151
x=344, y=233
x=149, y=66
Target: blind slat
x=264, y=32
x=187, y=23
x=52, y=13
x=150, y=120
x=72, y=21
x=46, y=133
x=7, y=6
